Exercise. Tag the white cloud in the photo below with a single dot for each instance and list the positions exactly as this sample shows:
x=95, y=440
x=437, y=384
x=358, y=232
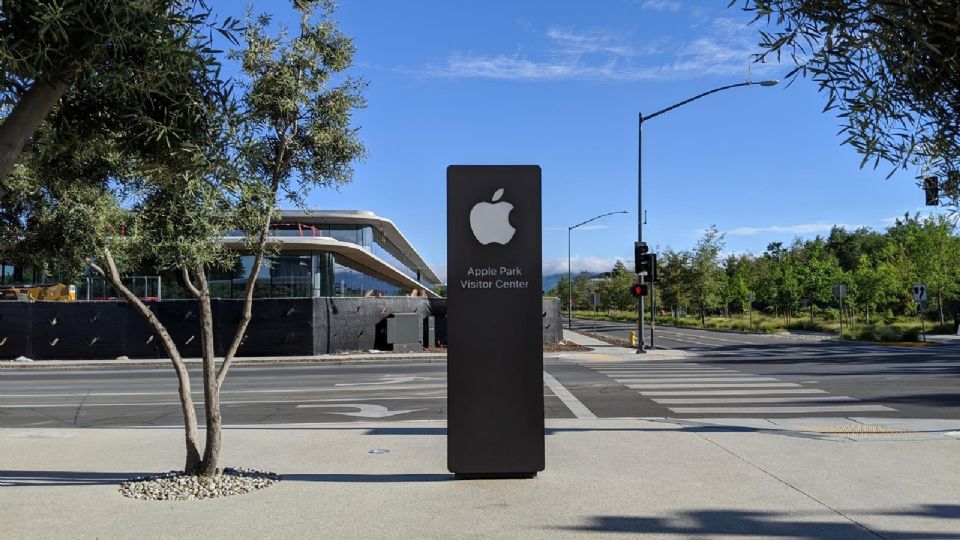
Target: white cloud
x=725, y=47
x=661, y=5
x=579, y=264
x=803, y=228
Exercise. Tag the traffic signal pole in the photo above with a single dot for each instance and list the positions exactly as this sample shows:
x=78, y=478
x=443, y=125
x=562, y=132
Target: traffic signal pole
x=653, y=310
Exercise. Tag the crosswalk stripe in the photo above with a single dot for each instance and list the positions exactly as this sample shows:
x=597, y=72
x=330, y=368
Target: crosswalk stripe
x=683, y=376
x=578, y=409
x=679, y=374
x=657, y=366
x=783, y=399
x=799, y=409
x=655, y=371
x=709, y=385
x=728, y=379
x=745, y=392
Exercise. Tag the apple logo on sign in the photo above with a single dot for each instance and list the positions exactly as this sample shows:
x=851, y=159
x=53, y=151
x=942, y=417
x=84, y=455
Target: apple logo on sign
x=491, y=222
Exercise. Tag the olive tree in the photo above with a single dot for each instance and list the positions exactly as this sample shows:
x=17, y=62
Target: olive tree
x=285, y=130
x=890, y=68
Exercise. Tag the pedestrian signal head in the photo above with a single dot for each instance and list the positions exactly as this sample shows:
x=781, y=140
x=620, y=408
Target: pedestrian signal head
x=638, y=289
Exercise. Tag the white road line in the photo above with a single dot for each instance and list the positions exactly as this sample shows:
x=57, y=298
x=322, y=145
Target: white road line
x=767, y=410
x=710, y=385
x=698, y=380
x=715, y=400
x=576, y=407
x=701, y=336
x=199, y=404
x=748, y=392
x=225, y=392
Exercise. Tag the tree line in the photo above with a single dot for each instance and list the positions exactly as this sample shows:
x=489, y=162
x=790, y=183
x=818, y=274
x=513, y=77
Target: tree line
x=878, y=270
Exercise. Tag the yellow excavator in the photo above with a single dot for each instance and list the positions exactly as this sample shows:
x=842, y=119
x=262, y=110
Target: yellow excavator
x=44, y=293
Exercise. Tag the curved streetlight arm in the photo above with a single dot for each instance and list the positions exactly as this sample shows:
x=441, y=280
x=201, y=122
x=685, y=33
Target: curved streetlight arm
x=569, y=269
x=698, y=96
x=598, y=217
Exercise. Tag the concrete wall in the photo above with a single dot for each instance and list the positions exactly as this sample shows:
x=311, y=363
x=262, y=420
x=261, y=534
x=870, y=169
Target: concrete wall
x=281, y=327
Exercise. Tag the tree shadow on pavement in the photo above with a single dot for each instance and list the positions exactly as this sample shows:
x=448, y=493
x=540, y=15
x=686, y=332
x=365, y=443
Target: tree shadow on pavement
x=65, y=478
x=79, y=478
x=718, y=523
x=367, y=478
x=950, y=511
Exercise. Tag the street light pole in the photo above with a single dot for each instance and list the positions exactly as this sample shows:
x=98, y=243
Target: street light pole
x=569, y=281
x=640, y=346
x=641, y=120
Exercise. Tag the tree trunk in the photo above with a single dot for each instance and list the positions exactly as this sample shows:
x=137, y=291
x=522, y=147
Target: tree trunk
x=23, y=121
x=940, y=303
x=211, y=390
x=192, y=462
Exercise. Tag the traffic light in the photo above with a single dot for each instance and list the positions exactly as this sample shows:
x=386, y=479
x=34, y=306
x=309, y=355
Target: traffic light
x=638, y=289
x=648, y=264
x=640, y=249
x=931, y=188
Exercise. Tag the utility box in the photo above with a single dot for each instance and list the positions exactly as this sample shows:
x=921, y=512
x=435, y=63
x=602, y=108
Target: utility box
x=404, y=332
x=430, y=331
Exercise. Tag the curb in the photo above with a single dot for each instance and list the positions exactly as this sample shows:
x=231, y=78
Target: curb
x=426, y=358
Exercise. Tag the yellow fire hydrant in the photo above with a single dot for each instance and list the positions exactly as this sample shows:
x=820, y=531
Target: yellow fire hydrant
x=633, y=338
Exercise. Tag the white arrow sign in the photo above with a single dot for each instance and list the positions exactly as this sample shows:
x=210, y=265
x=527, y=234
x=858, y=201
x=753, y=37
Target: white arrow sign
x=366, y=410
x=389, y=380
x=920, y=293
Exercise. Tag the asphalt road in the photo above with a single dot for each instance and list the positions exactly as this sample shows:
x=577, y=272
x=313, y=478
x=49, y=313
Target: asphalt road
x=913, y=382
x=734, y=376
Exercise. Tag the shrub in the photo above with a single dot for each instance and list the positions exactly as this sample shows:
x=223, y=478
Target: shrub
x=910, y=334
x=867, y=333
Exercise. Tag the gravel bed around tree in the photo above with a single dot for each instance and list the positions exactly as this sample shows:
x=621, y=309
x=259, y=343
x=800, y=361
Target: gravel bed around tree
x=177, y=486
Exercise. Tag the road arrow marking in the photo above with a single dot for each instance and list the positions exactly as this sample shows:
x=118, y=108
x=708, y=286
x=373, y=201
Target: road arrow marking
x=366, y=410
x=389, y=380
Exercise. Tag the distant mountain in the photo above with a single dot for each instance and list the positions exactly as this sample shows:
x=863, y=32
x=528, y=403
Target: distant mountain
x=551, y=281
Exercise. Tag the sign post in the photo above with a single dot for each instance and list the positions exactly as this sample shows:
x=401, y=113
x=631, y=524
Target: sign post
x=495, y=426
x=750, y=298
x=595, y=302
x=840, y=290
x=920, y=297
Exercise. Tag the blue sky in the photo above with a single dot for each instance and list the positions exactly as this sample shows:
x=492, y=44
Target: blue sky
x=559, y=84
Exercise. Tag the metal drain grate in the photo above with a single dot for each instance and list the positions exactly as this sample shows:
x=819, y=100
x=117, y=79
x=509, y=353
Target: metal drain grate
x=865, y=431
x=853, y=429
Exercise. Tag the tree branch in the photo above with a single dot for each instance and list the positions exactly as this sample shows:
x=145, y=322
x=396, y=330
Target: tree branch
x=186, y=280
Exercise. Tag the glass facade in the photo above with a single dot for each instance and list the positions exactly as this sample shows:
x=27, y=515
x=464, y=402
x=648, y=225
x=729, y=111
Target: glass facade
x=291, y=275
x=365, y=236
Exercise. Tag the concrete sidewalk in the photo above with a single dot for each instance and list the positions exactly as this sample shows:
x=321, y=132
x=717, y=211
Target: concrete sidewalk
x=638, y=478
x=605, y=352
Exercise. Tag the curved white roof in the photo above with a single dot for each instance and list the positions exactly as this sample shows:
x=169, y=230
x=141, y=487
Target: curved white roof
x=360, y=258
x=362, y=217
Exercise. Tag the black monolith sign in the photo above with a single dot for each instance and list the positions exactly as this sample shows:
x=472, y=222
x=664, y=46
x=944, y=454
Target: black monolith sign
x=494, y=321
